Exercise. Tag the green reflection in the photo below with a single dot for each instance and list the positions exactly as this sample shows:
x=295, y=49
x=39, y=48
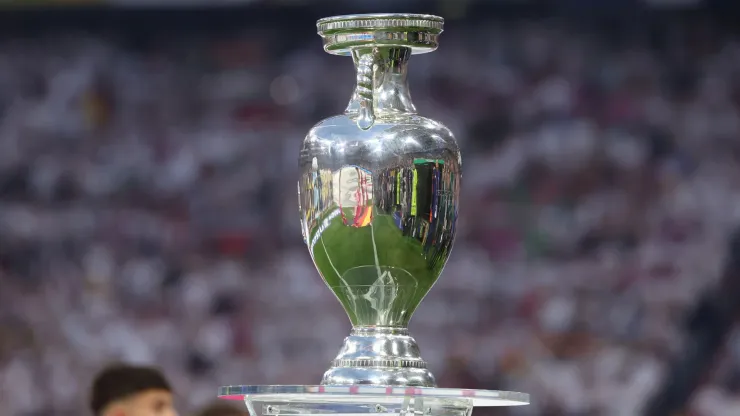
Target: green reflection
x=379, y=275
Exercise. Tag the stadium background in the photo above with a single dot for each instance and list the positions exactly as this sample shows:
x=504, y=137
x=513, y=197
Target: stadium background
x=148, y=209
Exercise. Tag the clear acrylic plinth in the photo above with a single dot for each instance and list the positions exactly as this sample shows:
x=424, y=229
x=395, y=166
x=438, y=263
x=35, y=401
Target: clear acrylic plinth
x=362, y=399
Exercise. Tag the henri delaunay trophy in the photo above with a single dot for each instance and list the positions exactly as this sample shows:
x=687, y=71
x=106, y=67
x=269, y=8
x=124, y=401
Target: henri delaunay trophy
x=378, y=200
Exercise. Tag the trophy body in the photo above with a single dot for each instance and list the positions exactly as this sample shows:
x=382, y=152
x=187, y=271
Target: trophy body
x=378, y=197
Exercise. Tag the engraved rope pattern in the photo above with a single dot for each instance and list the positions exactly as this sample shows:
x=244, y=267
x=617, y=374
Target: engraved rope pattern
x=365, y=78
x=365, y=91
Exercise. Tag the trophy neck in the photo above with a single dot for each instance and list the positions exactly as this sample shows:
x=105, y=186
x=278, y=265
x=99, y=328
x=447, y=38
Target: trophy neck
x=384, y=70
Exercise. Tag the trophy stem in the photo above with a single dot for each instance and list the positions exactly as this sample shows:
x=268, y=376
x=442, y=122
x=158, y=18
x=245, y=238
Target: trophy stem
x=376, y=355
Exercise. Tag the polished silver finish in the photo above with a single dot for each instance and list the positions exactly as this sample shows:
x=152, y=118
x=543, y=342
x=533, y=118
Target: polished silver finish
x=380, y=356
x=378, y=198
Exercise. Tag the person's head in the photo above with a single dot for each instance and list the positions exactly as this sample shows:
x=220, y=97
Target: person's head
x=221, y=409
x=126, y=390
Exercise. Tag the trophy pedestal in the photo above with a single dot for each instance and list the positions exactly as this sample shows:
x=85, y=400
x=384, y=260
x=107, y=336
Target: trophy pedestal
x=381, y=357
x=365, y=399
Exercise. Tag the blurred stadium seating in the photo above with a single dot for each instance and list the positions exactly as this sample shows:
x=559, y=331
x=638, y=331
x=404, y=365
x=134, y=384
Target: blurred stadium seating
x=148, y=208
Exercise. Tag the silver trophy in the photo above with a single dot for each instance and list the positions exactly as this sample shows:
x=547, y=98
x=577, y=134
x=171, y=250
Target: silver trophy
x=378, y=199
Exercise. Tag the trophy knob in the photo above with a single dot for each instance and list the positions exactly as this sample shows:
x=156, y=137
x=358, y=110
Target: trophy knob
x=379, y=193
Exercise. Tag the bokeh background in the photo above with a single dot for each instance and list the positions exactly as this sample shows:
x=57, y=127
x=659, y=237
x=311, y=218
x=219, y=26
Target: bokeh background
x=148, y=161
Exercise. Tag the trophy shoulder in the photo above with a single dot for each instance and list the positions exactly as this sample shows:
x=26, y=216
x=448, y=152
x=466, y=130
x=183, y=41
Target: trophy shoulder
x=406, y=127
x=393, y=140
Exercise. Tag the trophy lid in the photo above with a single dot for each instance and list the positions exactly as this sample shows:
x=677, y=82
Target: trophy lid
x=341, y=34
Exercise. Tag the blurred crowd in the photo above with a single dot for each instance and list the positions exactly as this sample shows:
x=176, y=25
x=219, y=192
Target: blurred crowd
x=148, y=212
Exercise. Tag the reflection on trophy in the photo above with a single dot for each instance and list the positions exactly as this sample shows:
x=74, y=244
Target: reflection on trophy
x=382, y=241
x=378, y=199
x=353, y=188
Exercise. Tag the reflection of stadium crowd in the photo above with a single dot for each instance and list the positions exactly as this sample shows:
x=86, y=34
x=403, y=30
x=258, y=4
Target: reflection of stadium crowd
x=149, y=214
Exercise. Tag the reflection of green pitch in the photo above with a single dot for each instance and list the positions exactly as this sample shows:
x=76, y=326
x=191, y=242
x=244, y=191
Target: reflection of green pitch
x=341, y=248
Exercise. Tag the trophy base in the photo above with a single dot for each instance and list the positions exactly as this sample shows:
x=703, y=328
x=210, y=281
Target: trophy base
x=379, y=356
x=379, y=376
x=359, y=399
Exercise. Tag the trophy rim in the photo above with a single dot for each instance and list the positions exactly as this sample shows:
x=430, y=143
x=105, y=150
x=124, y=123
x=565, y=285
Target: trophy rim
x=390, y=20
x=355, y=393
x=343, y=33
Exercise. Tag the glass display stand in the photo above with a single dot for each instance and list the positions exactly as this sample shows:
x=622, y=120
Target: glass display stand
x=361, y=399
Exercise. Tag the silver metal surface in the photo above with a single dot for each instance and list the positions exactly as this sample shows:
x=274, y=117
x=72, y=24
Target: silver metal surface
x=344, y=34
x=380, y=356
x=378, y=199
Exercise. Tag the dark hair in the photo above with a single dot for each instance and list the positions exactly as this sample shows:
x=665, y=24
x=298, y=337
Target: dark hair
x=122, y=381
x=220, y=409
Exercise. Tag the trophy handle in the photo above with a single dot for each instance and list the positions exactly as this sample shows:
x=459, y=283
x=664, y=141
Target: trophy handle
x=365, y=89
